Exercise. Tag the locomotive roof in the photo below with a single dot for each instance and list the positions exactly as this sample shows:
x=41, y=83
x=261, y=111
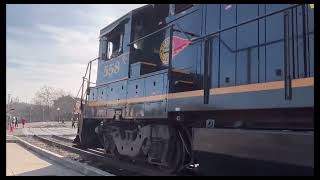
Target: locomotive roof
x=120, y=20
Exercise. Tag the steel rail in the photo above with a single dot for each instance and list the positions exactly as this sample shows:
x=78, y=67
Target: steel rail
x=108, y=161
x=62, y=138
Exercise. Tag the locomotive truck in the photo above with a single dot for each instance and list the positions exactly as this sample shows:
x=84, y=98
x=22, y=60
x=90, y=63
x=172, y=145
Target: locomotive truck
x=227, y=87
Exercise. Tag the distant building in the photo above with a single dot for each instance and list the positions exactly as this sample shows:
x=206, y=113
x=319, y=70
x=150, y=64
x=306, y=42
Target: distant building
x=67, y=107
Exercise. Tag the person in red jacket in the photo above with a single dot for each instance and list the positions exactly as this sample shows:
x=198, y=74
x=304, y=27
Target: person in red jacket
x=23, y=122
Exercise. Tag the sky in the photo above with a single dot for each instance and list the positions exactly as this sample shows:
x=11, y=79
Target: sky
x=52, y=44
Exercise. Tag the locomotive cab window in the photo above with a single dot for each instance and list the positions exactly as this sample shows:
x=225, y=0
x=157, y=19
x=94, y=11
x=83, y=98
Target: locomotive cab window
x=147, y=49
x=112, y=43
x=114, y=46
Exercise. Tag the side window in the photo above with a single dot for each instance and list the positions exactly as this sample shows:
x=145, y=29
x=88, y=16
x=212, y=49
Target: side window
x=114, y=46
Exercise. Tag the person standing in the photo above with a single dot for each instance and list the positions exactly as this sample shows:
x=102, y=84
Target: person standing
x=17, y=123
x=23, y=121
x=13, y=120
x=11, y=127
x=73, y=122
x=77, y=123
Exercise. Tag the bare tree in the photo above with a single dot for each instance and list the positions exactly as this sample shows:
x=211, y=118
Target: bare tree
x=45, y=97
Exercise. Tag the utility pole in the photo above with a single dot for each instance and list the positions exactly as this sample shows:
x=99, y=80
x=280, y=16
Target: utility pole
x=58, y=109
x=42, y=114
x=9, y=102
x=30, y=113
x=29, y=109
x=8, y=118
x=9, y=105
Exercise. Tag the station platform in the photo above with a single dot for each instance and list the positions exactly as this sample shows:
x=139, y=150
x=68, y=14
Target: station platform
x=21, y=162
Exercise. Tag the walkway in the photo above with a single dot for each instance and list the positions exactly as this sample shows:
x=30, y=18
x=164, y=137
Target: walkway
x=21, y=162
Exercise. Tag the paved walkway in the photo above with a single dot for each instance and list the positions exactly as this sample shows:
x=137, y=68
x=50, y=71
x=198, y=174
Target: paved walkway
x=46, y=128
x=21, y=162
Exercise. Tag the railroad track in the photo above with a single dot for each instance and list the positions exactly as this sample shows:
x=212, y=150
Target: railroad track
x=96, y=157
x=61, y=138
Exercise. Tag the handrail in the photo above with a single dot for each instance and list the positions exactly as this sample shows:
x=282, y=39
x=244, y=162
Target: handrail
x=148, y=35
x=170, y=56
x=184, y=32
x=287, y=73
x=217, y=32
x=245, y=22
x=88, y=82
x=88, y=65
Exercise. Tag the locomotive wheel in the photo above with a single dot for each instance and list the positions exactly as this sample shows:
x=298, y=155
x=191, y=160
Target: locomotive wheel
x=109, y=146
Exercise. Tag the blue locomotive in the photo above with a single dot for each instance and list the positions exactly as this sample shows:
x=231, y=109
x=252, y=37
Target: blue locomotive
x=227, y=86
